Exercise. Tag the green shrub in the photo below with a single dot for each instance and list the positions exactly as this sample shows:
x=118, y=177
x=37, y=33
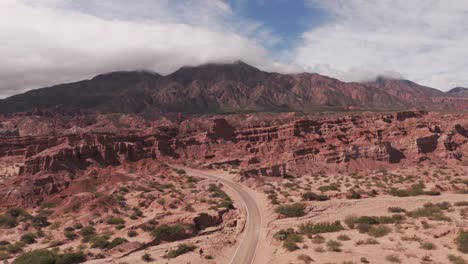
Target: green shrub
x=181, y=249
x=88, y=231
x=48, y=257
x=71, y=258
x=166, y=232
x=456, y=259
x=396, y=210
x=8, y=221
x=70, y=235
x=310, y=196
x=113, y=220
x=428, y=246
x=40, y=220
x=333, y=246
x=180, y=171
x=379, y=231
x=354, y=195
x=326, y=188
x=324, y=227
x=28, y=238
x=132, y=233
x=369, y=241
x=431, y=211
x=289, y=238
x=462, y=241
x=393, y=258
x=463, y=203
x=99, y=242
x=15, y=248
x=292, y=210
x=16, y=212
x=146, y=257
x=305, y=258
x=415, y=190
x=117, y=241
x=363, y=221
x=343, y=237
x=37, y=257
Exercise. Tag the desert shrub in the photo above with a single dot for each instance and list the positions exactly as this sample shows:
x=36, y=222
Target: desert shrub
x=324, y=227
x=88, y=231
x=310, y=196
x=48, y=257
x=326, y=188
x=116, y=242
x=393, y=258
x=70, y=235
x=415, y=190
x=291, y=210
x=431, y=211
x=428, y=246
x=180, y=250
x=8, y=221
x=363, y=227
x=165, y=232
x=333, y=246
x=354, y=195
x=99, y=241
x=16, y=212
x=462, y=241
x=363, y=221
x=40, y=219
x=4, y=255
x=462, y=203
x=305, y=258
x=28, y=238
x=396, y=210
x=456, y=259
x=217, y=192
x=132, y=233
x=70, y=258
x=113, y=220
x=369, y=241
x=15, y=248
x=343, y=237
x=180, y=171
x=37, y=257
x=379, y=231
x=146, y=257
x=289, y=238
x=350, y=221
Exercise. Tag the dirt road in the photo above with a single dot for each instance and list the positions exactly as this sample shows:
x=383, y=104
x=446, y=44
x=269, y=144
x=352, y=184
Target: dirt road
x=246, y=251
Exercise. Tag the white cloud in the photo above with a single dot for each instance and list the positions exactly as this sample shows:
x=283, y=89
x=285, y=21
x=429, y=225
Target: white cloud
x=424, y=40
x=46, y=42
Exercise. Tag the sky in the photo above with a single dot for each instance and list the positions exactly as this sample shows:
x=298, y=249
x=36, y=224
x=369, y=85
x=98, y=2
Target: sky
x=46, y=42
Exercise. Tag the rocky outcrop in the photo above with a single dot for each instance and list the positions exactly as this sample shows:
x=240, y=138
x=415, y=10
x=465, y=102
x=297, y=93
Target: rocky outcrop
x=427, y=144
x=271, y=147
x=402, y=116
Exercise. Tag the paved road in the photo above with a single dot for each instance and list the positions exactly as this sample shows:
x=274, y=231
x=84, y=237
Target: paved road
x=245, y=253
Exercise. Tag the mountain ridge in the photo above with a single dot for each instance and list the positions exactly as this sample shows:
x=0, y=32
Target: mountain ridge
x=215, y=88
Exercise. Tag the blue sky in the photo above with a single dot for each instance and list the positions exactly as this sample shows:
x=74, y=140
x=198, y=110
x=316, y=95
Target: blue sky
x=287, y=19
x=57, y=41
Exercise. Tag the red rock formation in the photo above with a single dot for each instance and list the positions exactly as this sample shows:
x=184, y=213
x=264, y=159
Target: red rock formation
x=273, y=147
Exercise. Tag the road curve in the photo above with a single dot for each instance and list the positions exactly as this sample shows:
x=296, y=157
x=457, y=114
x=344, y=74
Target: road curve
x=246, y=251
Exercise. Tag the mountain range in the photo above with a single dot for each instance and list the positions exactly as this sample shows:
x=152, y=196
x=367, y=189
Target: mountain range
x=224, y=88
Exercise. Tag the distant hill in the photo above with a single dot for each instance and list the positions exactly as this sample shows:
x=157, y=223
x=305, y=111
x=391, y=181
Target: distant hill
x=217, y=88
x=459, y=92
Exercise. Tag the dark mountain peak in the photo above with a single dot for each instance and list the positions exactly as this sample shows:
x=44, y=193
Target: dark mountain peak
x=458, y=90
x=126, y=76
x=210, y=72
